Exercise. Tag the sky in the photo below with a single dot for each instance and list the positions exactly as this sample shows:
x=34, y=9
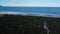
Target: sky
x=44, y=3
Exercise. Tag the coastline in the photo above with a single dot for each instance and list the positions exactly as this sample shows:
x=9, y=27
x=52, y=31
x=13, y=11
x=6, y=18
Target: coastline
x=31, y=14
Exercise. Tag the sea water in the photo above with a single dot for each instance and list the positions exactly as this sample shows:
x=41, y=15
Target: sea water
x=32, y=11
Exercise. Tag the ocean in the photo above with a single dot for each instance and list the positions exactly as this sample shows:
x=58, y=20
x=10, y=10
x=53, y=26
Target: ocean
x=32, y=11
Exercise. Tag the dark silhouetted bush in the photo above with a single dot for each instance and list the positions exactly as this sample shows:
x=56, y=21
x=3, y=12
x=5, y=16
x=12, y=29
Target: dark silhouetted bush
x=18, y=24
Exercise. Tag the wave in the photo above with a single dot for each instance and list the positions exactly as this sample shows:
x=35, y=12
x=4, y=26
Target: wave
x=30, y=14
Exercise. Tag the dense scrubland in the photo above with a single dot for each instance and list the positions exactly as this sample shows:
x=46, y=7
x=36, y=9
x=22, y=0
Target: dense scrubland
x=19, y=24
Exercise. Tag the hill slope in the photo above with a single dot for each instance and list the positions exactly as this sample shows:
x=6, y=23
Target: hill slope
x=18, y=24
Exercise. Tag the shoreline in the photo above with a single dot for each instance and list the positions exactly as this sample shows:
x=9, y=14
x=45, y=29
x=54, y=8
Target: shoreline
x=31, y=14
x=1, y=15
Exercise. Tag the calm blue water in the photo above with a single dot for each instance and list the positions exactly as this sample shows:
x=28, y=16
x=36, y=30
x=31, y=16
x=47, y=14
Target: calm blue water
x=54, y=11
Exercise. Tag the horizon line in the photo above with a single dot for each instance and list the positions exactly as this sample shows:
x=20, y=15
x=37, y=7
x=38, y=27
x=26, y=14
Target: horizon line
x=30, y=6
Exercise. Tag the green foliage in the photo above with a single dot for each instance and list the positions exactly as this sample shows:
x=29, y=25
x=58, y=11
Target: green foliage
x=18, y=24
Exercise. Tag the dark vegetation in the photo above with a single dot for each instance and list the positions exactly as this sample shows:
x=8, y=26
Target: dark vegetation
x=18, y=24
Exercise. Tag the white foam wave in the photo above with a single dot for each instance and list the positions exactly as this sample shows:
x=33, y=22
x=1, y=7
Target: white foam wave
x=30, y=13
